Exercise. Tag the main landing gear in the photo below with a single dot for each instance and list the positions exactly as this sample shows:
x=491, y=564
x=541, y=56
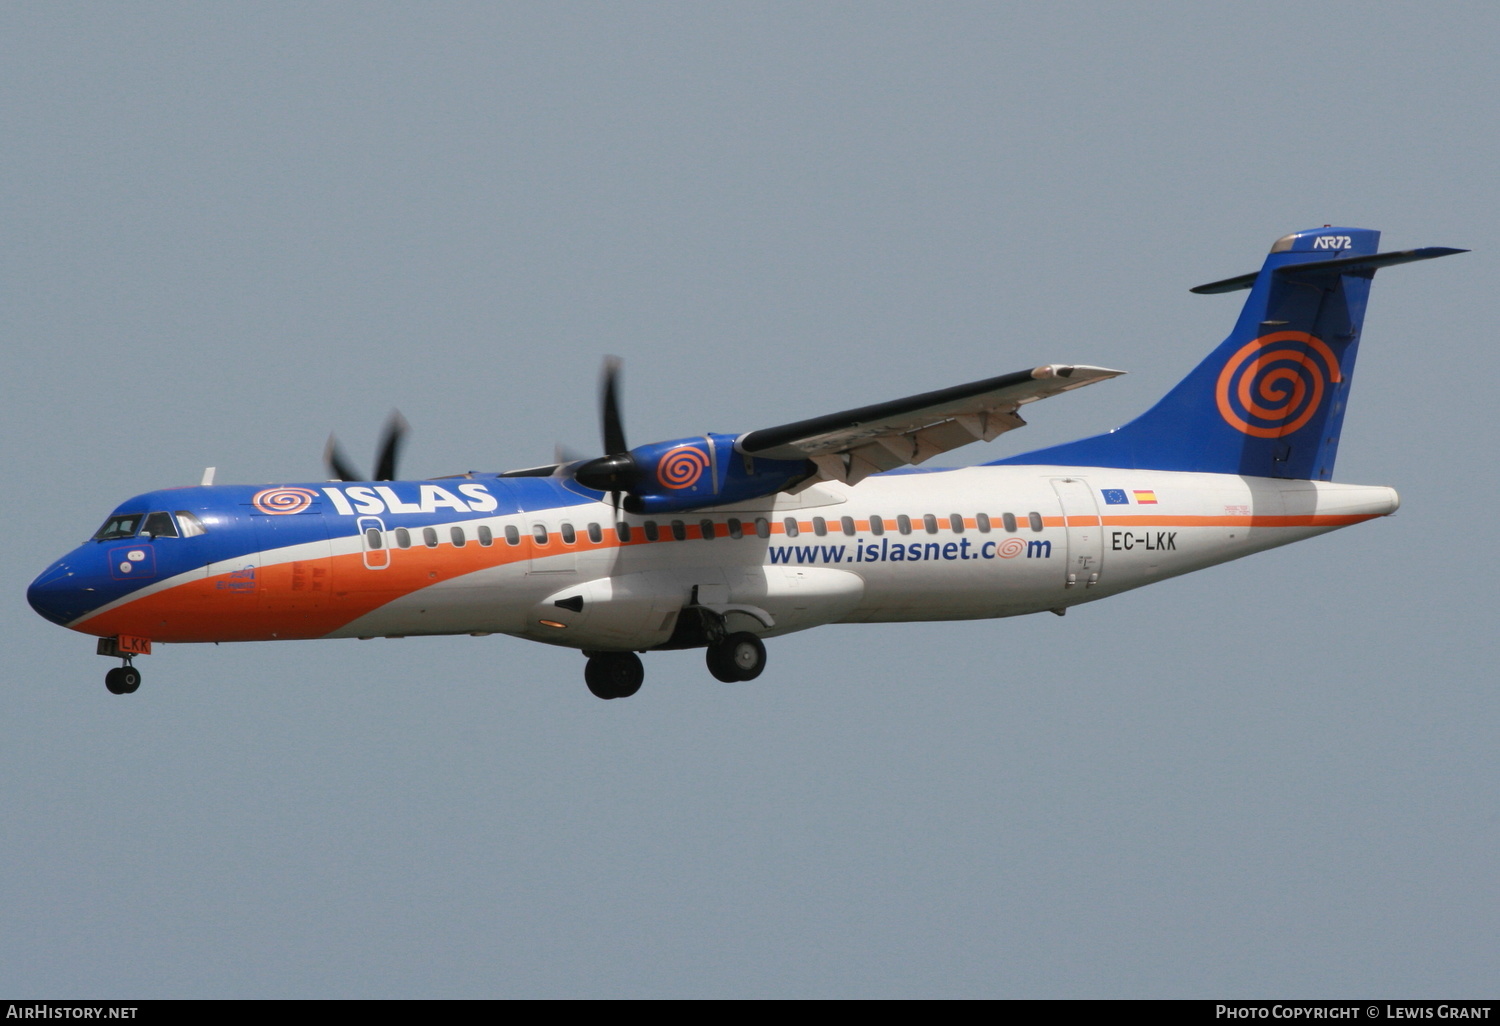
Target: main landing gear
x=614, y=674
x=739, y=656
x=736, y=657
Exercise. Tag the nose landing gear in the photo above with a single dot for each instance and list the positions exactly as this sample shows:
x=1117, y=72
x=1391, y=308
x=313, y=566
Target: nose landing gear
x=123, y=680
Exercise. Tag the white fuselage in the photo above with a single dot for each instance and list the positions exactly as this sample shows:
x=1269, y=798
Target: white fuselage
x=977, y=542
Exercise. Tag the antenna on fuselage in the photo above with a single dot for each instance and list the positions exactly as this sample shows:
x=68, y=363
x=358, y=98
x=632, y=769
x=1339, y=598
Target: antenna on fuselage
x=208, y=476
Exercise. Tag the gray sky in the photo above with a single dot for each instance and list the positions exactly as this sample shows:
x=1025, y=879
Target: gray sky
x=230, y=229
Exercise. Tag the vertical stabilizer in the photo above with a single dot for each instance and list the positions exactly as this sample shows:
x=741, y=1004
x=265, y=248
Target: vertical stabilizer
x=1269, y=401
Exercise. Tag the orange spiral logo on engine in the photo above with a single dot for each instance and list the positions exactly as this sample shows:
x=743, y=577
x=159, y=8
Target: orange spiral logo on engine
x=1010, y=548
x=281, y=501
x=1274, y=385
x=681, y=468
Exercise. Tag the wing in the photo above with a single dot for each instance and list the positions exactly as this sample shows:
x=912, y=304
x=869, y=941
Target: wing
x=854, y=444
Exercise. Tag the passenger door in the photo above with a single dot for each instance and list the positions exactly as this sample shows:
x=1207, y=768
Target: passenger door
x=1085, y=532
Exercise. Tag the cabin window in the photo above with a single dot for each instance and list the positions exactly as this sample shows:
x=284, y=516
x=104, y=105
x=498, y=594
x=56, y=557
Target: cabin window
x=1035, y=520
x=622, y=531
x=903, y=524
x=820, y=526
x=569, y=535
x=373, y=540
x=486, y=536
x=596, y=533
x=706, y=528
x=116, y=527
x=930, y=522
x=189, y=524
x=652, y=531
x=790, y=523
x=982, y=521
x=877, y=525
x=512, y=535
x=1008, y=520
x=679, y=530
x=429, y=537
x=457, y=534
x=539, y=533
x=762, y=527
x=403, y=538
x=159, y=525
x=847, y=523
x=956, y=522
x=736, y=529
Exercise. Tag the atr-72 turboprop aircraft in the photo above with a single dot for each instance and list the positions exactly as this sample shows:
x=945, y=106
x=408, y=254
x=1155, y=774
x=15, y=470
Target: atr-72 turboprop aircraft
x=717, y=541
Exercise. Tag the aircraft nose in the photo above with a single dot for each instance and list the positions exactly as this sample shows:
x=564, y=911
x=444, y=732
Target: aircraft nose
x=58, y=594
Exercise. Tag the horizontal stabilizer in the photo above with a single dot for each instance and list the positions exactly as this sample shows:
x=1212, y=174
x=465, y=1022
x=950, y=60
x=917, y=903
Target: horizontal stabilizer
x=1342, y=265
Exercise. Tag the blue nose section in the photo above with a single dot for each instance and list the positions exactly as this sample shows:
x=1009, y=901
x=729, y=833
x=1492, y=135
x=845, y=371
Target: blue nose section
x=59, y=594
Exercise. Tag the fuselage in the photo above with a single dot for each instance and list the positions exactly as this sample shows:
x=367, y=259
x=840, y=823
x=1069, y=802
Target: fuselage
x=544, y=559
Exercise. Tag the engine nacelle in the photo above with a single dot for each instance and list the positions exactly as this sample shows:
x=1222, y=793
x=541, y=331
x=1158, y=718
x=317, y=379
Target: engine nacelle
x=690, y=473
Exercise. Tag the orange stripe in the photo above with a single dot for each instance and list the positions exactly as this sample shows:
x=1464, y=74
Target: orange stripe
x=285, y=605
x=1257, y=520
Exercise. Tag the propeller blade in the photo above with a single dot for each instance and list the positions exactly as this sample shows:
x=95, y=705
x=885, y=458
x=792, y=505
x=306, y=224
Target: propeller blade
x=609, y=402
x=339, y=467
x=390, y=446
x=615, y=472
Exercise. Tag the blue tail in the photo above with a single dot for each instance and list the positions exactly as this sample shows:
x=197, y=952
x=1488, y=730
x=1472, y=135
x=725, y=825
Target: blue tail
x=1269, y=401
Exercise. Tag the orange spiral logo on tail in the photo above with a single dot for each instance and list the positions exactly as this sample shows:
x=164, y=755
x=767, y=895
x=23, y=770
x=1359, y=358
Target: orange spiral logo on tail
x=281, y=501
x=681, y=468
x=1274, y=385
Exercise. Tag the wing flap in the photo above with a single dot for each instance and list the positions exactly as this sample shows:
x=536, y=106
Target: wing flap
x=851, y=445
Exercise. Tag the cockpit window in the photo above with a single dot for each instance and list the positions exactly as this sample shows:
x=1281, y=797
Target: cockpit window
x=159, y=525
x=118, y=526
x=189, y=525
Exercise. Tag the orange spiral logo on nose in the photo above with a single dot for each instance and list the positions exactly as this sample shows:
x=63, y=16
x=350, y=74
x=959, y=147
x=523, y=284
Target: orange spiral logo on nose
x=1273, y=385
x=681, y=468
x=281, y=501
x=1010, y=548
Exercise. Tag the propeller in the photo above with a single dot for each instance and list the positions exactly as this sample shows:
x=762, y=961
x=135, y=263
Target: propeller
x=391, y=438
x=616, y=471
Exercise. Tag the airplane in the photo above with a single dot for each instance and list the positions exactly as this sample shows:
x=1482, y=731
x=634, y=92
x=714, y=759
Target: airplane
x=719, y=541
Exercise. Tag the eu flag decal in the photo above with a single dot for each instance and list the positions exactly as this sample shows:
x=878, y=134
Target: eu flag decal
x=1114, y=497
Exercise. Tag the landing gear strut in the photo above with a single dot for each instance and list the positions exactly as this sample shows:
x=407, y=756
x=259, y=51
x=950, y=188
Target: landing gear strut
x=614, y=674
x=740, y=656
x=123, y=680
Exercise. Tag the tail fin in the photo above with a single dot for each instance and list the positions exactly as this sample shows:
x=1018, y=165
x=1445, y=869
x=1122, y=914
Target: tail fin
x=1269, y=401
